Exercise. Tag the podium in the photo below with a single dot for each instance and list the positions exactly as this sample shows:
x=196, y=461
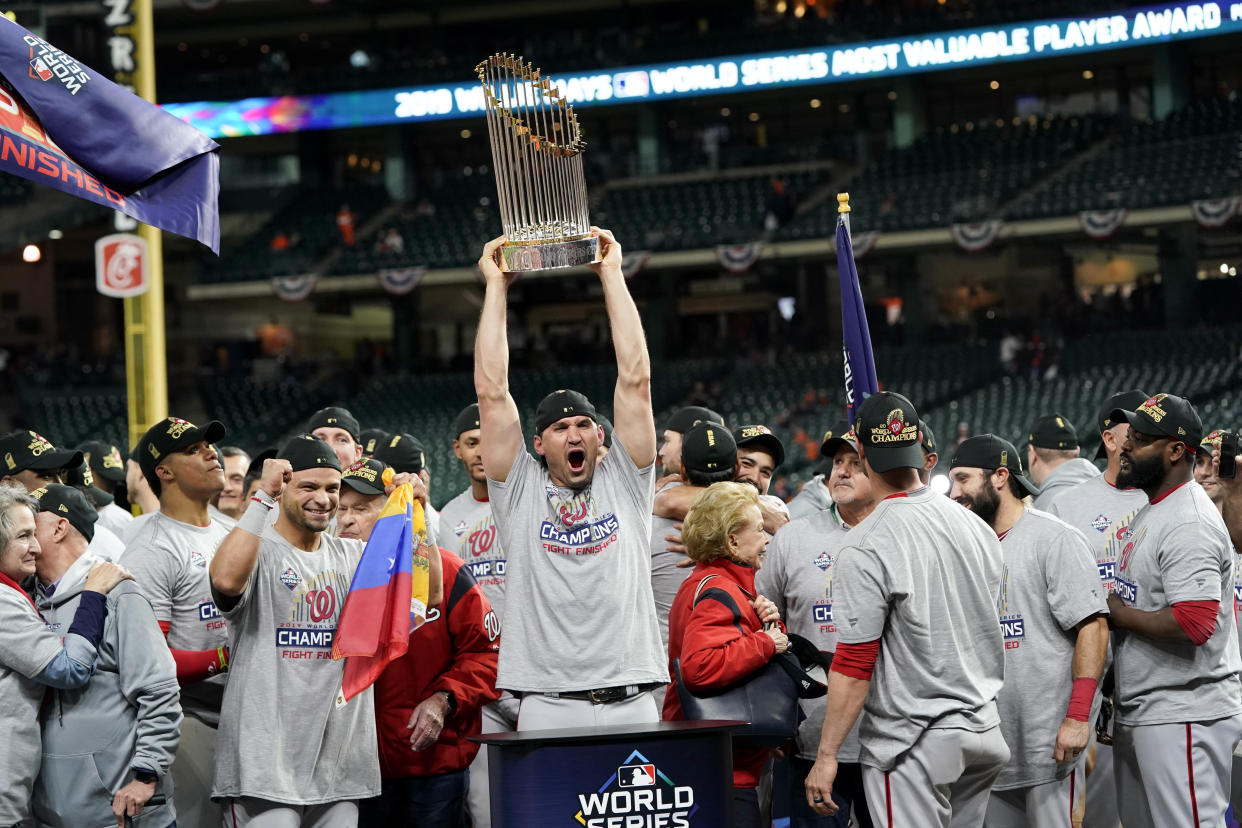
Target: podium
x=660, y=775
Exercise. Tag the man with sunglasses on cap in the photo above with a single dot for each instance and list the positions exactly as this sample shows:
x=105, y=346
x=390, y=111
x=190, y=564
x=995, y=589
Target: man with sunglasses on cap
x=27, y=459
x=169, y=554
x=919, y=578
x=1053, y=616
x=340, y=430
x=108, y=470
x=797, y=575
x=288, y=752
x=1102, y=512
x=585, y=648
x=1179, y=700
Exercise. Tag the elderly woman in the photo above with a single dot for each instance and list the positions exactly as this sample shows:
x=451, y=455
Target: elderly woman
x=717, y=623
x=32, y=657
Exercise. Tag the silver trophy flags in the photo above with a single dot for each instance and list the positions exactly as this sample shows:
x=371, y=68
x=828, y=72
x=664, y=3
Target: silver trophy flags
x=537, y=154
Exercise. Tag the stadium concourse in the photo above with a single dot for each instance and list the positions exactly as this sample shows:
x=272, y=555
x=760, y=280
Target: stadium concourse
x=644, y=479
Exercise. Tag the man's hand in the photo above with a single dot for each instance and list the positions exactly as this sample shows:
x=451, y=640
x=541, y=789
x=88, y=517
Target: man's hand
x=1071, y=740
x=666, y=479
x=130, y=800
x=609, y=252
x=416, y=483
x=674, y=545
x=276, y=473
x=1116, y=607
x=774, y=517
x=819, y=786
x=105, y=575
x=427, y=721
x=489, y=262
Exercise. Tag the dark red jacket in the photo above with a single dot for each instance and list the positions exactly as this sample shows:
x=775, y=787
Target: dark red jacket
x=456, y=650
x=719, y=640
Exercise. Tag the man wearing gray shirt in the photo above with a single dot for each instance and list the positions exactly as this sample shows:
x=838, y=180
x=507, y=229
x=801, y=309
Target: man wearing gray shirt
x=816, y=493
x=797, y=575
x=1176, y=654
x=1052, y=457
x=918, y=579
x=582, y=644
x=1053, y=619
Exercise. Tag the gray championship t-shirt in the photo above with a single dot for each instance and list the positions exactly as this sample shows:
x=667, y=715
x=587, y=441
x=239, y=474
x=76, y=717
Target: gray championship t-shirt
x=115, y=518
x=282, y=736
x=1178, y=550
x=27, y=646
x=579, y=577
x=1103, y=514
x=797, y=576
x=666, y=576
x=468, y=531
x=169, y=560
x=923, y=575
x=1050, y=586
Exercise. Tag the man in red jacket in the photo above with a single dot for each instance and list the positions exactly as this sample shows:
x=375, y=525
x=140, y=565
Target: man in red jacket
x=428, y=702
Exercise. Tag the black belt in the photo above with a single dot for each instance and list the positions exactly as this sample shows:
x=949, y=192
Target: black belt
x=605, y=695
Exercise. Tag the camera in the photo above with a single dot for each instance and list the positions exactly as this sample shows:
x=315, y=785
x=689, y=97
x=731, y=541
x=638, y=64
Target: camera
x=1228, y=456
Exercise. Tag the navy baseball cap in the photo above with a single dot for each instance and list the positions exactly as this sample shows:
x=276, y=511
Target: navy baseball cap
x=887, y=426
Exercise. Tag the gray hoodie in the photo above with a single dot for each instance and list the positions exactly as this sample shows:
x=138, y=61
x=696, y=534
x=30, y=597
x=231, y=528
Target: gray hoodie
x=127, y=716
x=1069, y=473
x=813, y=498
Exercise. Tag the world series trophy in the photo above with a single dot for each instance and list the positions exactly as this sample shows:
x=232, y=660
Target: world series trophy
x=537, y=154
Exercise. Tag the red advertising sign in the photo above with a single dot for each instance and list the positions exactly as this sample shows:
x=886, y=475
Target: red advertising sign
x=121, y=265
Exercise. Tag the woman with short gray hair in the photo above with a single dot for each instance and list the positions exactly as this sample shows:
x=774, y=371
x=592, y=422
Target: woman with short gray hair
x=33, y=657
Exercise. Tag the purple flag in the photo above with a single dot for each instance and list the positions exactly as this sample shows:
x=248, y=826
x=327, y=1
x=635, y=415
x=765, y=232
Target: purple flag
x=65, y=125
x=860, y=380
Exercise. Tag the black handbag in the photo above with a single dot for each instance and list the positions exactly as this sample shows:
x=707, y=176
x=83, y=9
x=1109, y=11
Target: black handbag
x=767, y=698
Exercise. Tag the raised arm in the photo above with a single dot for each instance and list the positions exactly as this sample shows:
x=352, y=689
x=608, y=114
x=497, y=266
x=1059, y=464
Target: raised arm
x=239, y=551
x=499, y=427
x=632, y=418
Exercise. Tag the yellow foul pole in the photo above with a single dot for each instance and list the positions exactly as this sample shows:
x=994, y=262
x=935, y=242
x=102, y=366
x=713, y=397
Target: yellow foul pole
x=145, y=366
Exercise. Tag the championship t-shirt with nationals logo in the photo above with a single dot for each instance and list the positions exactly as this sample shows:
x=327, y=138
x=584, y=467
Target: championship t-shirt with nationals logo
x=468, y=531
x=282, y=736
x=579, y=576
x=169, y=560
x=1103, y=514
x=1179, y=550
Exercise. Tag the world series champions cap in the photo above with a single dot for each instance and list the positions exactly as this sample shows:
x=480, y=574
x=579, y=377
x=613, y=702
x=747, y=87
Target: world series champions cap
x=1166, y=415
x=335, y=417
x=561, y=404
x=366, y=476
x=1128, y=400
x=371, y=439
x=841, y=434
x=404, y=453
x=684, y=419
x=761, y=437
x=707, y=448
x=69, y=503
x=987, y=451
x=306, y=451
x=887, y=426
x=82, y=479
x=21, y=450
x=169, y=435
x=467, y=420
x=105, y=460
x=1052, y=431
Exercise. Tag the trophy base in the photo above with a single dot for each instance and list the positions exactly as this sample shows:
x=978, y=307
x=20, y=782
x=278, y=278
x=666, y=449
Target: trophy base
x=524, y=258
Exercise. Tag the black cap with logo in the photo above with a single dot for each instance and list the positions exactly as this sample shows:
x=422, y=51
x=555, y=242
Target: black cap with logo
x=987, y=451
x=1166, y=415
x=366, y=476
x=306, y=451
x=707, y=448
x=169, y=435
x=561, y=404
x=255, y=469
x=927, y=438
x=684, y=419
x=887, y=426
x=83, y=480
x=21, y=450
x=69, y=503
x=467, y=420
x=335, y=417
x=404, y=453
x=104, y=459
x=606, y=425
x=372, y=438
x=1052, y=431
x=1127, y=400
x=841, y=434
x=761, y=437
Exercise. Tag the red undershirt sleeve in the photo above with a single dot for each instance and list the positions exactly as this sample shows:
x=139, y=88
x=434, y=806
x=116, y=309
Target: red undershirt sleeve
x=856, y=660
x=196, y=665
x=1197, y=619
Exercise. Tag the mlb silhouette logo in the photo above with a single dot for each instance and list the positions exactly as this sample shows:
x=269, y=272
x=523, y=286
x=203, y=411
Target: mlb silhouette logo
x=121, y=265
x=636, y=776
x=40, y=69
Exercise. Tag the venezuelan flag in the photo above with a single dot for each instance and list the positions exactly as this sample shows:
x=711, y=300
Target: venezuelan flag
x=388, y=596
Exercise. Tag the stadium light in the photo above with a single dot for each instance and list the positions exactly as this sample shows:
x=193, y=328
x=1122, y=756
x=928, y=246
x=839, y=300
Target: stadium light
x=31, y=253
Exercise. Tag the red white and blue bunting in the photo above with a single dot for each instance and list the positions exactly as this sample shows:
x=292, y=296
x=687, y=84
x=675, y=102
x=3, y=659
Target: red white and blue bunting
x=1100, y=224
x=976, y=236
x=400, y=281
x=294, y=288
x=861, y=242
x=633, y=263
x=737, y=258
x=1215, y=212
